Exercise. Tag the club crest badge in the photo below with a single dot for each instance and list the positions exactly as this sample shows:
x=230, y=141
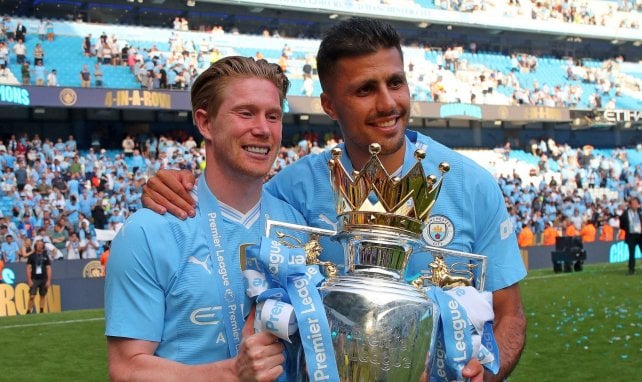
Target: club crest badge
x=439, y=231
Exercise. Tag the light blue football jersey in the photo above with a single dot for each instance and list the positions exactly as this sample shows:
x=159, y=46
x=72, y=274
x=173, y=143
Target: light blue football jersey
x=161, y=287
x=469, y=215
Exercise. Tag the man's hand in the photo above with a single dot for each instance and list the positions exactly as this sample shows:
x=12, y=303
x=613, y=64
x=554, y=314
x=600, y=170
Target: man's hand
x=169, y=190
x=260, y=356
x=473, y=371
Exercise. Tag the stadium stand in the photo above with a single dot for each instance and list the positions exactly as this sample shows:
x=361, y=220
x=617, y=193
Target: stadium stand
x=549, y=172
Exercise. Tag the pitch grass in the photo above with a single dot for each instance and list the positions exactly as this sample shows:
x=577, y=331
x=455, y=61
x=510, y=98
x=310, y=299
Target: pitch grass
x=583, y=326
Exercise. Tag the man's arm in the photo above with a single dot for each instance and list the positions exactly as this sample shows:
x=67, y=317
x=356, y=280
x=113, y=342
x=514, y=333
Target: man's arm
x=133, y=360
x=169, y=191
x=48, y=283
x=260, y=358
x=509, y=329
x=29, y=282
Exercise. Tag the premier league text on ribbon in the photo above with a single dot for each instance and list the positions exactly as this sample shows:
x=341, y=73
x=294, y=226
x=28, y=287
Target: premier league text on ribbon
x=308, y=312
x=302, y=285
x=222, y=270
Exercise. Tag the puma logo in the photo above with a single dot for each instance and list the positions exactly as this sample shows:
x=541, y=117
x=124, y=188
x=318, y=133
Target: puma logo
x=203, y=263
x=328, y=221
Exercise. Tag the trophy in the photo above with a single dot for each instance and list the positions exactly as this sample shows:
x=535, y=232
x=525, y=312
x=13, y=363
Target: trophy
x=381, y=321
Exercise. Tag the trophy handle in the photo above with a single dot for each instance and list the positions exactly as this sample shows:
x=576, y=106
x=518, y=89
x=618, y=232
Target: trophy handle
x=465, y=269
x=312, y=247
x=443, y=276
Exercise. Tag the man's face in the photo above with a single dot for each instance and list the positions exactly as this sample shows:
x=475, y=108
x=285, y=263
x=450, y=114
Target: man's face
x=245, y=133
x=635, y=204
x=369, y=97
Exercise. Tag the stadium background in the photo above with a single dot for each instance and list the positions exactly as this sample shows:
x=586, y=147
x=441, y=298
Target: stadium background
x=573, y=331
x=425, y=26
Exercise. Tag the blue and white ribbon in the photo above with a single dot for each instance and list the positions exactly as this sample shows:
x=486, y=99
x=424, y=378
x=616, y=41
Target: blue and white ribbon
x=284, y=285
x=464, y=330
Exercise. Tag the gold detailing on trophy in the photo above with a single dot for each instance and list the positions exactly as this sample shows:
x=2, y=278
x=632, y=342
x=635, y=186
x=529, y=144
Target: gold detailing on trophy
x=312, y=250
x=444, y=276
x=370, y=197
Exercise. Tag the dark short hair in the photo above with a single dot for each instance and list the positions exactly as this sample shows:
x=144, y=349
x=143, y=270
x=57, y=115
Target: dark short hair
x=351, y=38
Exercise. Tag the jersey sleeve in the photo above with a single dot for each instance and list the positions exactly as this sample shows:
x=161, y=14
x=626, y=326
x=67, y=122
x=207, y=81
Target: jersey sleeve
x=495, y=237
x=134, y=298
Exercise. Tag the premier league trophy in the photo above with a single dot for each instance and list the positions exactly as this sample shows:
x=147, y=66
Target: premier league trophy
x=382, y=324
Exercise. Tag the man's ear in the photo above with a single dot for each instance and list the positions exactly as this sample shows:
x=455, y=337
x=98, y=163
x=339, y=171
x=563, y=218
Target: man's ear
x=202, y=120
x=328, y=106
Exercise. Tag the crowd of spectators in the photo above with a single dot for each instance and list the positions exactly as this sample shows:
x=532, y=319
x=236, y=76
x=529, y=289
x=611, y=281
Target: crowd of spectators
x=583, y=196
x=620, y=14
x=53, y=192
x=452, y=74
x=61, y=195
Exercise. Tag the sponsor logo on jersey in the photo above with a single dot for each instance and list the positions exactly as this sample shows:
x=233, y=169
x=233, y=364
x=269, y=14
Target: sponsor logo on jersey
x=206, y=316
x=439, y=231
x=505, y=229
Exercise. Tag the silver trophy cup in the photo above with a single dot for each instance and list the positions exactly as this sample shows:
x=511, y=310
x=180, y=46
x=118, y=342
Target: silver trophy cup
x=380, y=318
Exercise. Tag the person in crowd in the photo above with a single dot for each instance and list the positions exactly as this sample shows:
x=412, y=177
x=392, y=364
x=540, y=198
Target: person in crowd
x=238, y=107
x=361, y=70
x=606, y=231
x=25, y=72
x=26, y=249
x=21, y=32
x=98, y=76
x=86, y=46
x=49, y=27
x=630, y=223
x=60, y=236
x=588, y=231
x=85, y=77
x=40, y=74
x=20, y=50
x=569, y=228
x=526, y=238
x=10, y=250
x=38, y=54
x=39, y=273
x=72, y=247
x=550, y=234
x=89, y=246
x=52, y=78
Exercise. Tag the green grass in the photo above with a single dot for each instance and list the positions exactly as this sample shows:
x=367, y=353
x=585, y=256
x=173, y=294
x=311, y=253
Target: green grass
x=66, y=346
x=583, y=326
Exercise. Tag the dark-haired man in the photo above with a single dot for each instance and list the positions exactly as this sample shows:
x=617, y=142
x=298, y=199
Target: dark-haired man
x=38, y=275
x=631, y=223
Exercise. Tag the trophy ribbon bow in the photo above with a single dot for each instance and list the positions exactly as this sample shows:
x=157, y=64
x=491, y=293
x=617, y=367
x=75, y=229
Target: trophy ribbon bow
x=464, y=331
x=288, y=300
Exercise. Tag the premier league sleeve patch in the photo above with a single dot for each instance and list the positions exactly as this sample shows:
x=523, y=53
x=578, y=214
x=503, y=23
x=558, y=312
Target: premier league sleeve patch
x=439, y=231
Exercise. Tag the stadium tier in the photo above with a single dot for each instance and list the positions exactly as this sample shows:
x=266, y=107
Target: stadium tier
x=444, y=75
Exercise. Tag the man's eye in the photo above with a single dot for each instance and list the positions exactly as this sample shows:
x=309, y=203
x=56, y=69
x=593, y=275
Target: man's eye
x=396, y=83
x=364, y=91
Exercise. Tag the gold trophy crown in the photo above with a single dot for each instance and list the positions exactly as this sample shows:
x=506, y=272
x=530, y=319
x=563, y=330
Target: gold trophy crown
x=370, y=198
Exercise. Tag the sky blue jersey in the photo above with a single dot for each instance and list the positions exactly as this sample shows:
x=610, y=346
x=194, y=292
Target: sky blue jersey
x=161, y=284
x=470, y=214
